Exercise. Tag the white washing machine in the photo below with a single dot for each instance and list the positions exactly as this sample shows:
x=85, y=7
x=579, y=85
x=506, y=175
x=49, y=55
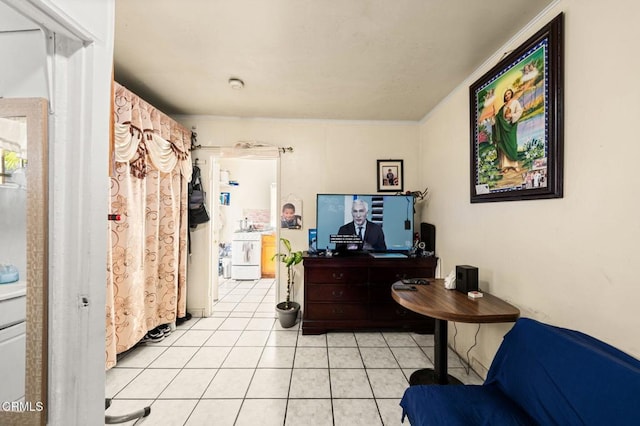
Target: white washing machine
x=246, y=250
x=13, y=309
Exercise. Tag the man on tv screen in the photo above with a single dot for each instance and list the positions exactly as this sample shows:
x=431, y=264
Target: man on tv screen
x=370, y=233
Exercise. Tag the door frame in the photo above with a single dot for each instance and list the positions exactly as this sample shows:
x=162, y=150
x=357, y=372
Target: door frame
x=213, y=157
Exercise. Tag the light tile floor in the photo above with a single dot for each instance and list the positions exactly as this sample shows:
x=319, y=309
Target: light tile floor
x=239, y=367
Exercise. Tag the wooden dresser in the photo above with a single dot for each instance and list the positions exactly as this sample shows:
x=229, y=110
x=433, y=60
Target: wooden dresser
x=354, y=293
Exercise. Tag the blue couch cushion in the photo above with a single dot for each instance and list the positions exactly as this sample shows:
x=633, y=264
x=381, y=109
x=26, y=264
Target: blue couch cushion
x=564, y=377
x=461, y=406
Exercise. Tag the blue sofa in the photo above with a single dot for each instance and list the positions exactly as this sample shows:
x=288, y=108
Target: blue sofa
x=541, y=375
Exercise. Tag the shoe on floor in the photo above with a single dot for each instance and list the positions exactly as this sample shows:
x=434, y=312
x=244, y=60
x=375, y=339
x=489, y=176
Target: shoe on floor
x=186, y=317
x=154, y=336
x=165, y=328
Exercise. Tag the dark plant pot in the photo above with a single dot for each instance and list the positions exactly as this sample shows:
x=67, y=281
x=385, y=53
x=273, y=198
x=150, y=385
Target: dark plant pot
x=289, y=316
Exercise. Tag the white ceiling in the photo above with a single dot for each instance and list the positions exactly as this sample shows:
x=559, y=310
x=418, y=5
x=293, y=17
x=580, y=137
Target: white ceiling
x=316, y=59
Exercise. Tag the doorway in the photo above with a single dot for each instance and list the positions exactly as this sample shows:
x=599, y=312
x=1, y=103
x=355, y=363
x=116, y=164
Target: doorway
x=243, y=187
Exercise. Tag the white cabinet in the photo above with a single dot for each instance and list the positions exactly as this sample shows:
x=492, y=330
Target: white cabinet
x=246, y=251
x=12, y=341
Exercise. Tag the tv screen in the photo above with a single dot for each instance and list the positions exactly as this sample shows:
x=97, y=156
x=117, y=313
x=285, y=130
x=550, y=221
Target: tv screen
x=378, y=223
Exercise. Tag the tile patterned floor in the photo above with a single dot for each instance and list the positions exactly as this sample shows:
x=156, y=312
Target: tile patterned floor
x=239, y=367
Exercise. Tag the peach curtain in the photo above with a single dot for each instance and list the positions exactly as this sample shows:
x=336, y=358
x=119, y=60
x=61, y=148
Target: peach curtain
x=147, y=253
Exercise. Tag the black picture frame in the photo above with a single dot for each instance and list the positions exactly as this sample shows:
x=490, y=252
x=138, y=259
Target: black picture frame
x=517, y=138
x=390, y=175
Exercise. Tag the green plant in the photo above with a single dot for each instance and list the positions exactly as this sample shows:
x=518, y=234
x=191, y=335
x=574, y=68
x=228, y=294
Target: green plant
x=290, y=259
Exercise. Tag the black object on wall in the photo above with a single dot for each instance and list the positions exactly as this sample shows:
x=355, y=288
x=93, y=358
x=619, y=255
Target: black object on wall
x=466, y=278
x=428, y=236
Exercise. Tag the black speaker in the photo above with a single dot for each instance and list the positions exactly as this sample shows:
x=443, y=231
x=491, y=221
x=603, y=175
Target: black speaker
x=428, y=236
x=466, y=278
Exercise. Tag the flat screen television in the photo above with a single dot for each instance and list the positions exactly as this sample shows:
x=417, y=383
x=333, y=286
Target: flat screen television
x=384, y=221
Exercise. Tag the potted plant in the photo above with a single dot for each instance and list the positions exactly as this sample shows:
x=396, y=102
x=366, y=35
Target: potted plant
x=288, y=310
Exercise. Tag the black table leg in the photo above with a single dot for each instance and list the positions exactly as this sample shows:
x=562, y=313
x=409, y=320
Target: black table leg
x=438, y=374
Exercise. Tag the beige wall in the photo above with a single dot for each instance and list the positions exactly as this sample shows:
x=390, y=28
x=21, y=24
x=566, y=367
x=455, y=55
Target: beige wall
x=571, y=261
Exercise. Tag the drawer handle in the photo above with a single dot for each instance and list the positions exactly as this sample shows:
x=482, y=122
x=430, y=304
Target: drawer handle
x=337, y=275
x=336, y=293
x=338, y=311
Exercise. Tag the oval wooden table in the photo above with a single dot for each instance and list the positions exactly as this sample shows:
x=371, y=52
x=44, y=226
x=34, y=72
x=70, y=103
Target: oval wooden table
x=433, y=300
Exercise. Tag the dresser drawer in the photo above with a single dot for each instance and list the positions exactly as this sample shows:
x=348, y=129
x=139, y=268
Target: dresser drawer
x=391, y=275
x=381, y=293
x=336, y=275
x=336, y=293
x=336, y=311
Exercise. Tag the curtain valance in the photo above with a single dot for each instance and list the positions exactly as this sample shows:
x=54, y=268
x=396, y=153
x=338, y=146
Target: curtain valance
x=143, y=134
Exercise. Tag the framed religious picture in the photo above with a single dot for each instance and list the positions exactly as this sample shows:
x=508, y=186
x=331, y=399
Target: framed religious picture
x=390, y=176
x=517, y=122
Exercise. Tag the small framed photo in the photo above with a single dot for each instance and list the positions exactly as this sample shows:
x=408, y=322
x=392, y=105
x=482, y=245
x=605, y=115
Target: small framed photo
x=390, y=176
x=291, y=214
